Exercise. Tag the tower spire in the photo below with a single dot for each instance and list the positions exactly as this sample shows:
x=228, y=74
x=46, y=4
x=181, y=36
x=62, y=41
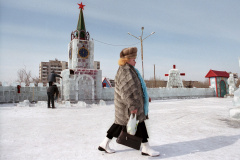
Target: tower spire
x=81, y=24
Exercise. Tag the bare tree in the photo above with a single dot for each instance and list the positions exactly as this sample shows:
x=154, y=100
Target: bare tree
x=20, y=74
x=35, y=80
x=24, y=76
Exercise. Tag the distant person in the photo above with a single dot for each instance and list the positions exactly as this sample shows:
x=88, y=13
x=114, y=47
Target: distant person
x=51, y=91
x=130, y=97
x=52, y=77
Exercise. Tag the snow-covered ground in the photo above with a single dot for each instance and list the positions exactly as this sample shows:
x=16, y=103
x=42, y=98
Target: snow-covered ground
x=186, y=129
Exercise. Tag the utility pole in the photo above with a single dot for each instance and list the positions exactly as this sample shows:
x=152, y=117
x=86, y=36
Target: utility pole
x=154, y=77
x=141, y=39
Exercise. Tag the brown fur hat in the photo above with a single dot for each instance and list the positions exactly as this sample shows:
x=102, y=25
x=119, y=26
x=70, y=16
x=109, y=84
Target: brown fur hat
x=129, y=53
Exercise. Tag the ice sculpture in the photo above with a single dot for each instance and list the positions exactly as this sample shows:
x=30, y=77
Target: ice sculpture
x=235, y=112
x=232, y=84
x=174, y=79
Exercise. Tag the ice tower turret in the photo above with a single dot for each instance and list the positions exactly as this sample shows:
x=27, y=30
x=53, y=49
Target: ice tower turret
x=81, y=48
x=81, y=81
x=81, y=24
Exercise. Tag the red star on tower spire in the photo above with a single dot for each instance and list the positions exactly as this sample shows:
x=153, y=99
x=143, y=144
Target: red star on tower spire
x=81, y=6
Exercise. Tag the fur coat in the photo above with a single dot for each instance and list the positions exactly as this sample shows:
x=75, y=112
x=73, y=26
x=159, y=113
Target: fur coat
x=128, y=95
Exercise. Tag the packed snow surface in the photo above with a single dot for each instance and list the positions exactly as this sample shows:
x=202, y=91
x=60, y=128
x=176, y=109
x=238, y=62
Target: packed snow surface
x=182, y=129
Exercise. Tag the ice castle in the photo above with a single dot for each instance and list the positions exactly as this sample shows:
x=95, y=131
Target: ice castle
x=81, y=81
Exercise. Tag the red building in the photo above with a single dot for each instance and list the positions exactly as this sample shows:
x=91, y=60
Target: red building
x=106, y=82
x=218, y=81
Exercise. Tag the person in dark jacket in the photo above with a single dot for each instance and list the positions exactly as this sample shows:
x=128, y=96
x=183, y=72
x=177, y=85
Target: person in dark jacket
x=50, y=92
x=52, y=77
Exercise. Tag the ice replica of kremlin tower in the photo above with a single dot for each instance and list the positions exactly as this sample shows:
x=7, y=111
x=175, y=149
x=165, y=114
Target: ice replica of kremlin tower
x=81, y=81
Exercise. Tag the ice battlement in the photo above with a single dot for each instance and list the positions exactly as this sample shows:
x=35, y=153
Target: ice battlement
x=9, y=94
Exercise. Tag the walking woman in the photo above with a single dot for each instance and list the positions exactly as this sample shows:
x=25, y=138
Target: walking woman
x=130, y=97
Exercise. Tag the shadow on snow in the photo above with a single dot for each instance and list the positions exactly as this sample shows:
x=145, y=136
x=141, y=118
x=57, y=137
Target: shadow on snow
x=191, y=147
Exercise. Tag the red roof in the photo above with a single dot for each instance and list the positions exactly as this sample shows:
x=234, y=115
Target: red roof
x=213, y=73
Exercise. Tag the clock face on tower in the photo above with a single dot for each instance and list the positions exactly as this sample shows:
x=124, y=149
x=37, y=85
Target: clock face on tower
x=83, y=52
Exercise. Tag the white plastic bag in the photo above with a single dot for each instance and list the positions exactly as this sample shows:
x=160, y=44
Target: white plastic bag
x=132, y=125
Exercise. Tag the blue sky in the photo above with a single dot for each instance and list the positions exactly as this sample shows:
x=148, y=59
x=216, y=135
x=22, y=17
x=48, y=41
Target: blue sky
x=196, y=35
